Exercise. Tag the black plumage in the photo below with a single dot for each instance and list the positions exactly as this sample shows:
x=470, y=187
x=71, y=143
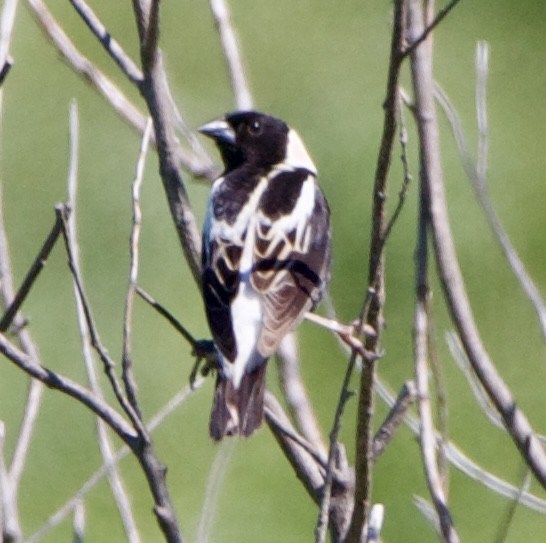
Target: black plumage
x=266, y=257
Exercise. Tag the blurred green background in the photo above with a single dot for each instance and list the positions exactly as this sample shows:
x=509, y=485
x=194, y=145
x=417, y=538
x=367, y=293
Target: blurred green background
x=321, y=66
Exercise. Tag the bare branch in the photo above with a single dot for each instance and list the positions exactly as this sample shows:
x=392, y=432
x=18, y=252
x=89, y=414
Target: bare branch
x=126, y=358
x=5, y=69
x=403, y=139
x=478, y=177
x=296, y=395
x=83, y=66
x=67, y=508
x=376, y=280
x=232, y=54
x=155, y=90
x=384, y=435
x=307, y=470
x=504, y=524
x=9, y=10
x=427, y=434
x=429, y=28
x=72, y=251
x=217, y=474
x=114, y=478
x=170, y=318
x=59, y=382
x=112, y=47
x=421, y=321
x=515, y=420
x=79, y=522
x=464, y=464
x=32, y=274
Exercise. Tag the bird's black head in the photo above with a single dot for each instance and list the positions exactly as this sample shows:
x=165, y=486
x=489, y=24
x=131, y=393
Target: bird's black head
x=249, y=137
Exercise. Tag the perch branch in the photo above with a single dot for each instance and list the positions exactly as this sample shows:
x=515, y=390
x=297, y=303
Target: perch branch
x=374, y=315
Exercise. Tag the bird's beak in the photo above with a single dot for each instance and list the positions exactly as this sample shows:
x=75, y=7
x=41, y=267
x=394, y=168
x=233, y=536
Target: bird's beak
x=219, y=130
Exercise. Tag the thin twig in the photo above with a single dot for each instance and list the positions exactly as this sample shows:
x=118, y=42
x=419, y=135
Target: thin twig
x=9, y=11
x=170, y=318
x=376, y=280
x=429, y=28
x=4, y=71
x=12, y=475
x=216, y=477
x=310, y=473
x=505, y=523
x=155, y=90
x=62, y=513
x=78, y=524
x=464, y=464
x=32, y=274
x=112, y=47
x=72, y=250
x=452, y=282
x=232, y=54
x=403, y=139
x=83, y=66
x=114, y=478
x=477, y=174
x=59, y=382
x=422, y=330
x=296, y=395
x=394, y=419
x=126, y=357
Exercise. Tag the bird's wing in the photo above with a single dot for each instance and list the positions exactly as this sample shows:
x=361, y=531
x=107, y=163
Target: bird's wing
x=220, y=281
x=291, y=253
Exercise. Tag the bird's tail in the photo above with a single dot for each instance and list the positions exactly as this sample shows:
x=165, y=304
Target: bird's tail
x=238, y=410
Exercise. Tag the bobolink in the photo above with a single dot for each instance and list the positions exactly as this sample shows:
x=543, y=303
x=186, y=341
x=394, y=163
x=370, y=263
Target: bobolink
x=266, y=257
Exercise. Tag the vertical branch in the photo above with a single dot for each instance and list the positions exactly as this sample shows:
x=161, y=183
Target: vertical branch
x=79, y=522
x=296, y=395
x=3, y=480
x=217, y=473
x=114, y=478
x=421, y=353
x=451, y=278
x=126, y=361
x=155, y=90
x=232, y=54
x=374, y=317
x=9, y=10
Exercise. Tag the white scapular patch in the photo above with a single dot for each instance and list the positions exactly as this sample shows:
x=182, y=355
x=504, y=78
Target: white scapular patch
x=297, y=219
x=297, y=155
x=234, y=232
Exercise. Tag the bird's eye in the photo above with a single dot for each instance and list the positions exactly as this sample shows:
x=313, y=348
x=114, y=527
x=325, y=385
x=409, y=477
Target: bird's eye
x=255, y=128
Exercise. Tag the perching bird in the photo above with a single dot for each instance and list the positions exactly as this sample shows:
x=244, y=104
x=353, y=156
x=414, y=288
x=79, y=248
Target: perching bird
x=266, y=257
